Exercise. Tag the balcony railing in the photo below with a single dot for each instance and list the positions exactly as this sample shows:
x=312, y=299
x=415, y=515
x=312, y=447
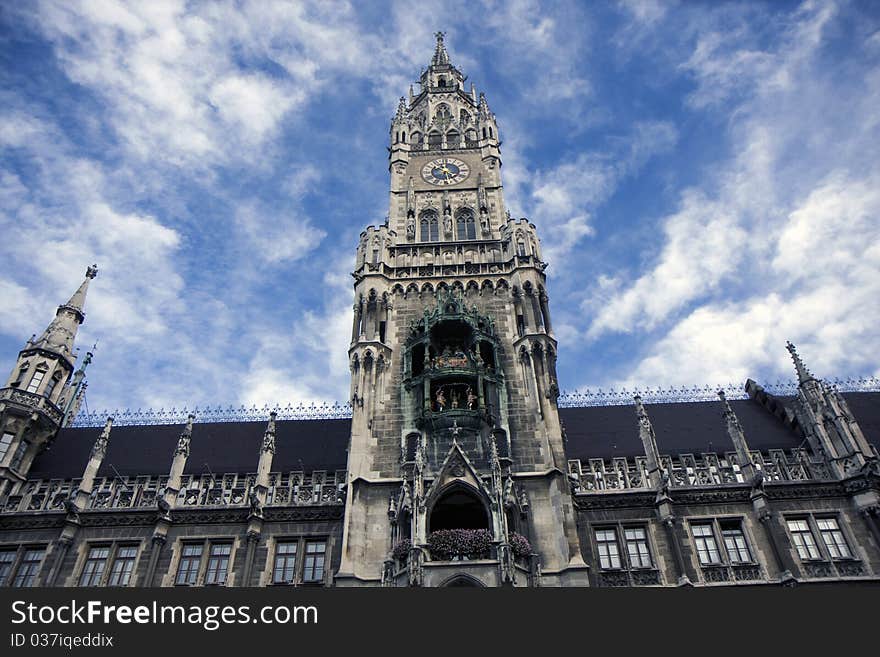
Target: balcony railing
x=694, y=471
x=228, y=490
x=36, y=402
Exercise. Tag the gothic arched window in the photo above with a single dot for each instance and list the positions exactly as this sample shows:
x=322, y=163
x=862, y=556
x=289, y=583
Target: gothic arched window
x=416, y=139
x=430, y=227
x=452, y=139
x=466, y=225
x=435, y=140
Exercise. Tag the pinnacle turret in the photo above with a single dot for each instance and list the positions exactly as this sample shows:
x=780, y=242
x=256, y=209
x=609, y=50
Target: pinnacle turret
x=441, y=57
x=803, y=373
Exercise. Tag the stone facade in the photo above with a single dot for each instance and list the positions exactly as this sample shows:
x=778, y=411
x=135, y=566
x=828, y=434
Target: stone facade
x=457, y=466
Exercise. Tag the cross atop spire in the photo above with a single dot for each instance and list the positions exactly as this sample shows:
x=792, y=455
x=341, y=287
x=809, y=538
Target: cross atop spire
x=803, y=373
x=441, y=57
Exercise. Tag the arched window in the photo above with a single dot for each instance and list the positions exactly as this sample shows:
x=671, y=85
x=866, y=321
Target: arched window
x=484, y=133
x=443, y=113
x=470, y=137
x=430, y=227
x=403, y=135
x=459, y=508
x=435, y=139
x=464, y=117
x=417, y=139
x=453, y=139
x=466, y=225
x=441, y=82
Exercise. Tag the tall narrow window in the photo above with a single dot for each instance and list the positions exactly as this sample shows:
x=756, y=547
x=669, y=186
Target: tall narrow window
x=375, y=256
x=637, y=547
x=5, y=442
x=123, y=564
x=36, y=380
x=521, y=249
x=27, y=569
x=430, y=227
x=833, y=538
x=313, y=566
x=803, y=539
x=7, y=558
x=50, y=387
x=18, y=457
x=218, y=563
x=94, y=566
x=190, y=560
x=466, y=226
x=707, y=546
x=609, y=551
x=735, y=542
x=285, y=562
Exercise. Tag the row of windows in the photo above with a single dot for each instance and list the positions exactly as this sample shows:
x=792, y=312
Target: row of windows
x=720, y=541
x=201, y=563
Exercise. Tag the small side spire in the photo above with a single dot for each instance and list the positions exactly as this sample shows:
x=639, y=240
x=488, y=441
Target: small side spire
x=99, y=449
x=269, y=435
x=185, y=437
x=803, y=373
x=401, y=109
x=441, y=57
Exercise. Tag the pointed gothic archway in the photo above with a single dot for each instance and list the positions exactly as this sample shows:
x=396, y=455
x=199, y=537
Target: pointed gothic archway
x=462, y=580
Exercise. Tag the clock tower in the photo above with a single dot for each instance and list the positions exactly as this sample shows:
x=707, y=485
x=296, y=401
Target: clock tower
x=457, y=469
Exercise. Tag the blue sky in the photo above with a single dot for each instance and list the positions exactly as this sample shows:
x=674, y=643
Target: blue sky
x=704, y=177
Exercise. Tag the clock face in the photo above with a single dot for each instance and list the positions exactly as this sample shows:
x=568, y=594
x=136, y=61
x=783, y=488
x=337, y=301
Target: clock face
x=445, y=171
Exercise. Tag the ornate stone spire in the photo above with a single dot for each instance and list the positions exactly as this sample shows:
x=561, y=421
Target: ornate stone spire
x=803, y=373
x=185, y=437
x=401, y=109
x=441, y=57
x=99, y=449
x=269, y=436
x=61, y=332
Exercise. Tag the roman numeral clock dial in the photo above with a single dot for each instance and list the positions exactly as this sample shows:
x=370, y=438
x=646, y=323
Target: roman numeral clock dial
x=445, y=171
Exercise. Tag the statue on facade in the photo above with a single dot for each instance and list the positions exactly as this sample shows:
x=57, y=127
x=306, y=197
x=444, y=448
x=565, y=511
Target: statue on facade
x=471, y=399
x=441, y=400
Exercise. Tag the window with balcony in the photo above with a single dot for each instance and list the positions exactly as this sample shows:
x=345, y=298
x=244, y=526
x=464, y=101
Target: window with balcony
x=93, y=569
x=313, y=565
x=190, y=562
x=218, y=563
x=707, y=546
x=28, y=567
x=624, y=555
x=123, y=565
x=284, y=570
x=803, y=540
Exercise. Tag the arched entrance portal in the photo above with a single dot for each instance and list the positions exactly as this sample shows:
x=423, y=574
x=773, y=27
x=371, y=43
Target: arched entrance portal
x=463, y=580
x=459, y=508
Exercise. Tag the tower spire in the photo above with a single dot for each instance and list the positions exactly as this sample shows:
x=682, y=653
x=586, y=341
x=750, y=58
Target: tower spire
x=803, y=373
x=441, y=57
x=61, y=332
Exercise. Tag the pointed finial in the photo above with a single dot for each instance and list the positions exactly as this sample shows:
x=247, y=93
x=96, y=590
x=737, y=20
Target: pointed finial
x=269, y=436
x=92, y=271
x=802, y=371
x=99, y=449
x=726, y=410
x=441, y=57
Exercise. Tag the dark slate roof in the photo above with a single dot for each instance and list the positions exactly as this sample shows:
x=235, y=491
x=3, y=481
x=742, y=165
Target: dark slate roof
x=695, y=427
x=593, y=432
x=225, y=446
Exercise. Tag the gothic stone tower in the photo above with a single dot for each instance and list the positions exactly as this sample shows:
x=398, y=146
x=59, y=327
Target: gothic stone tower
x=456, y=450
x=42, y=391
